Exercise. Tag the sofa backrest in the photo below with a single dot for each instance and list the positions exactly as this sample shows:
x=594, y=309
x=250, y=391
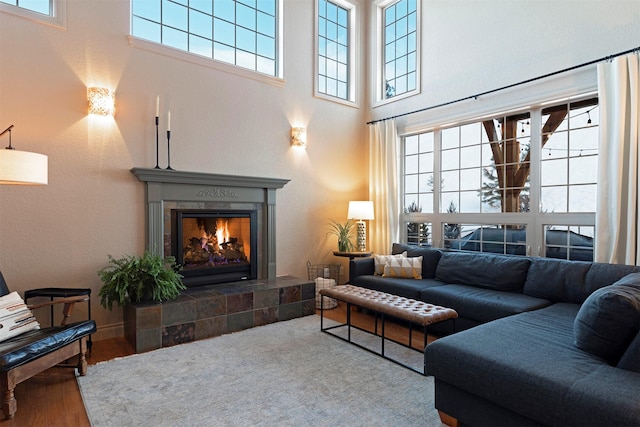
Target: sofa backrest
x=430, y=257
x=499, y=272
x=570, y=281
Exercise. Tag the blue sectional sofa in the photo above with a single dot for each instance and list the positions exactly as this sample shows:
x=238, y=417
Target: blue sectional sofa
x=538, y=341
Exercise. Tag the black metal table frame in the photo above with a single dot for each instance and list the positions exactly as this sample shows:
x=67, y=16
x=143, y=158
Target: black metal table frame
x=382, y=335
x=61, y=293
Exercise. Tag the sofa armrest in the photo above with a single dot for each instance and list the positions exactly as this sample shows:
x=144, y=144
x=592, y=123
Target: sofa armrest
x=361, y=267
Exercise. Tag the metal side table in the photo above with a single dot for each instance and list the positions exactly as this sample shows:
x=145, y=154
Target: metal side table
x=61, y=293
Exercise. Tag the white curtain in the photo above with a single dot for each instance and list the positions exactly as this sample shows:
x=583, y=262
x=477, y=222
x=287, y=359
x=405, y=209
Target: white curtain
x=617, y=221
x=383, y=186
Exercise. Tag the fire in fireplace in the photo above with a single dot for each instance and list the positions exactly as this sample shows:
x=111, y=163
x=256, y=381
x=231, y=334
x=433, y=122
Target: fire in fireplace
x=214, y=246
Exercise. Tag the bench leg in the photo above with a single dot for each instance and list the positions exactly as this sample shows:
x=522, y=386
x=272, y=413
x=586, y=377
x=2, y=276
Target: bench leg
x=82, y=359
x=9, y=403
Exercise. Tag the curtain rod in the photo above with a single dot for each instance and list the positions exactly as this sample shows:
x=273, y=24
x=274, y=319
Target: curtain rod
x=606, y=58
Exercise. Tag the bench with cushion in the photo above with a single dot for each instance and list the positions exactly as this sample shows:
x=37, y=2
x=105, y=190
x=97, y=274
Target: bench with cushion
x=32, y=352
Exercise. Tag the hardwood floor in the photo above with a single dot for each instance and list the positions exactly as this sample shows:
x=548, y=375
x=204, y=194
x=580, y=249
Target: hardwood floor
x=52, y=398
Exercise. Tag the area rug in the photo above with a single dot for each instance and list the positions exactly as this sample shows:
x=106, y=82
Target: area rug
x=282, y=374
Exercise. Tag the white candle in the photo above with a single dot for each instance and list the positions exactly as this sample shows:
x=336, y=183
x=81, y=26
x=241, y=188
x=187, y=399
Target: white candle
x=169, y=120
x=158, y=106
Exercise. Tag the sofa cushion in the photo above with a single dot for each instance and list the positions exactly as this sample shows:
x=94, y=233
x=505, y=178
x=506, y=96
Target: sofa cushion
x=381, y=260
x=500, y=272
x=430, y=257
x=630, y=360
x=410, y=268
x=408, y=288
x=528, y=364
x=481, y=304
x=609, y=319
x=557, y=280
x=601, y=275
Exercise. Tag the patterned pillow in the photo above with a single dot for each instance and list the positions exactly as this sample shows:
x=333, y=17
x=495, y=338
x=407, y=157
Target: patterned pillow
x=15, y=317
x=381, y=260
x=410, y=268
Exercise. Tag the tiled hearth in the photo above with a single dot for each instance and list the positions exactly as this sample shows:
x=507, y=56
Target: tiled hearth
x=209, y=311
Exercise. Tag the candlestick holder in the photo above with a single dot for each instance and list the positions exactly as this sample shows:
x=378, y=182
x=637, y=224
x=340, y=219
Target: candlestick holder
x=157, y=165
x=169, y=151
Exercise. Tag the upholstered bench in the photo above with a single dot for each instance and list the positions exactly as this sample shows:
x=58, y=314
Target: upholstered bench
x=28, y=354
x=25, y=354
x=384, y=304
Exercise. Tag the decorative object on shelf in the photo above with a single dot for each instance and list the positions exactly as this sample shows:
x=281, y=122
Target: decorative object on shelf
x=22, y=167
x=344, y=233
x=298, y=136
x=360, y=211
x=157, y=123
x=132, y=279
x=101, y=101
x=169, y=141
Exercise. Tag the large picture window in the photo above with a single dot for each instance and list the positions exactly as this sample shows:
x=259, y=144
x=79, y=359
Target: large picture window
x=244, y=33
x=501, y=185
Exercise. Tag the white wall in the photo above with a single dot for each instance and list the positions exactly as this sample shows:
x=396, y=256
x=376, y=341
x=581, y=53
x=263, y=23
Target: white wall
x=474, y=46
x=60, y=234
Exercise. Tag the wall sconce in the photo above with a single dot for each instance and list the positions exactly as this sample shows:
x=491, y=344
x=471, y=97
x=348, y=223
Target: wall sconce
x=361, y=210
x=101, y=101
x=298, y=136
x=22, y=167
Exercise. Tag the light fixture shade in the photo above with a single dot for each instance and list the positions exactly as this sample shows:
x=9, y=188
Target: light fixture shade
x=23, y=168
x=298, y=136
x=101, y=101
x=360, y=210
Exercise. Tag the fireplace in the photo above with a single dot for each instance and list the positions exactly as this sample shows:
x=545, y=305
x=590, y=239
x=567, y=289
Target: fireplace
x=215, y=246
x=221, y=228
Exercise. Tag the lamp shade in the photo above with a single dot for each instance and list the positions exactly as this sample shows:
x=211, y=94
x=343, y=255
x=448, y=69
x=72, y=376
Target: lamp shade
x=23, y=168
x=360, y=210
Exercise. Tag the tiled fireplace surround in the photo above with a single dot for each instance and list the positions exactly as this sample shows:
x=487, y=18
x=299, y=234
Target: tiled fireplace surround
x=212, y=310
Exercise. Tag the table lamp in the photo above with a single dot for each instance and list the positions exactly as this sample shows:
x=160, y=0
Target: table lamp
x=360, y=211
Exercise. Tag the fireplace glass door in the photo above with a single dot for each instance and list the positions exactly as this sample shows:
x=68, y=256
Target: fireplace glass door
x=214, y=246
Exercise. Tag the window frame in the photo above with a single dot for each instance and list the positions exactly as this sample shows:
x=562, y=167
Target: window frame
x=187, y=56
x=536, y=221
x=379, y=93
x=56, y=19
x=352, y=80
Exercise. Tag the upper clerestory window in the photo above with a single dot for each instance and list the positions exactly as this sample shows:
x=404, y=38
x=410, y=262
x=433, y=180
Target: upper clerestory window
x=399, y=41
x=50, y=12
x=244, y=33
x=335, y=50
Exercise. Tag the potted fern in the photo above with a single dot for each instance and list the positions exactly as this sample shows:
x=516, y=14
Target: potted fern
x=344, y=232
x=132, y=279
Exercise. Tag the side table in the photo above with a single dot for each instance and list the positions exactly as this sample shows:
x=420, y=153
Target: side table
x=61, y=293
x=351, y=256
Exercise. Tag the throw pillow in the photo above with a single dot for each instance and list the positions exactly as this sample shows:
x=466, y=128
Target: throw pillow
x=15, y=317
x=381, y=260
x=410, y=268
x=609, y=319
